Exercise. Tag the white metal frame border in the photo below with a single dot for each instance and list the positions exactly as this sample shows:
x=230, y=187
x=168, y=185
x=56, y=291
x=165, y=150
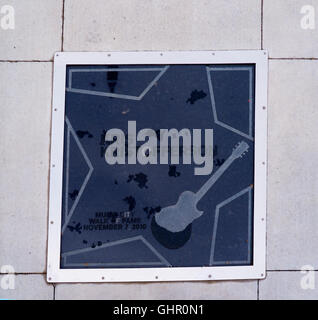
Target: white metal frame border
x=254, y=271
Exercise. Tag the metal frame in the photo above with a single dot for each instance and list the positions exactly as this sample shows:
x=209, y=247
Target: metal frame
x=254, y=271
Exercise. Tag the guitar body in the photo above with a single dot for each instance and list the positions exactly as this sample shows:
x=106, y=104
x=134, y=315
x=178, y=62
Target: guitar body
x=170, y=240
x=177, y=217
x=172, y=225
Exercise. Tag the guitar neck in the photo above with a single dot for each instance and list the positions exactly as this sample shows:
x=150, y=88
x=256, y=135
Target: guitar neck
x=205, y=188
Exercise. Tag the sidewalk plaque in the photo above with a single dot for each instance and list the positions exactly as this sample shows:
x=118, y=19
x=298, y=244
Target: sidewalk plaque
x=158, y=166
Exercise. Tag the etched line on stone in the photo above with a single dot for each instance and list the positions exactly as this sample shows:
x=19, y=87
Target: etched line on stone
x=91, y=169
x=216, y=221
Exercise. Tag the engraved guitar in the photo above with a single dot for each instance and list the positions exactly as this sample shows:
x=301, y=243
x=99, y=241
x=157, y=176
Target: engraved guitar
x=178, y=217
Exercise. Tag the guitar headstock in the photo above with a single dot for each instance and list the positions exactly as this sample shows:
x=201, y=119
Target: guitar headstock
x=240, y=150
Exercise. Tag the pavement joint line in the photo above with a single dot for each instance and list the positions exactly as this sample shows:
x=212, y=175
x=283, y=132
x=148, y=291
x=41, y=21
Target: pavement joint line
x=47, y=61
x=63, y=21
x=291, y=270
x=25, y=61
x=23, y=273
x=262, y=24
x=312, y=59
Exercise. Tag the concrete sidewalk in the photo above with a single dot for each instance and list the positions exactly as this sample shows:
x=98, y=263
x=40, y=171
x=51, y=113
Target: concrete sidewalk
x=43, y=27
